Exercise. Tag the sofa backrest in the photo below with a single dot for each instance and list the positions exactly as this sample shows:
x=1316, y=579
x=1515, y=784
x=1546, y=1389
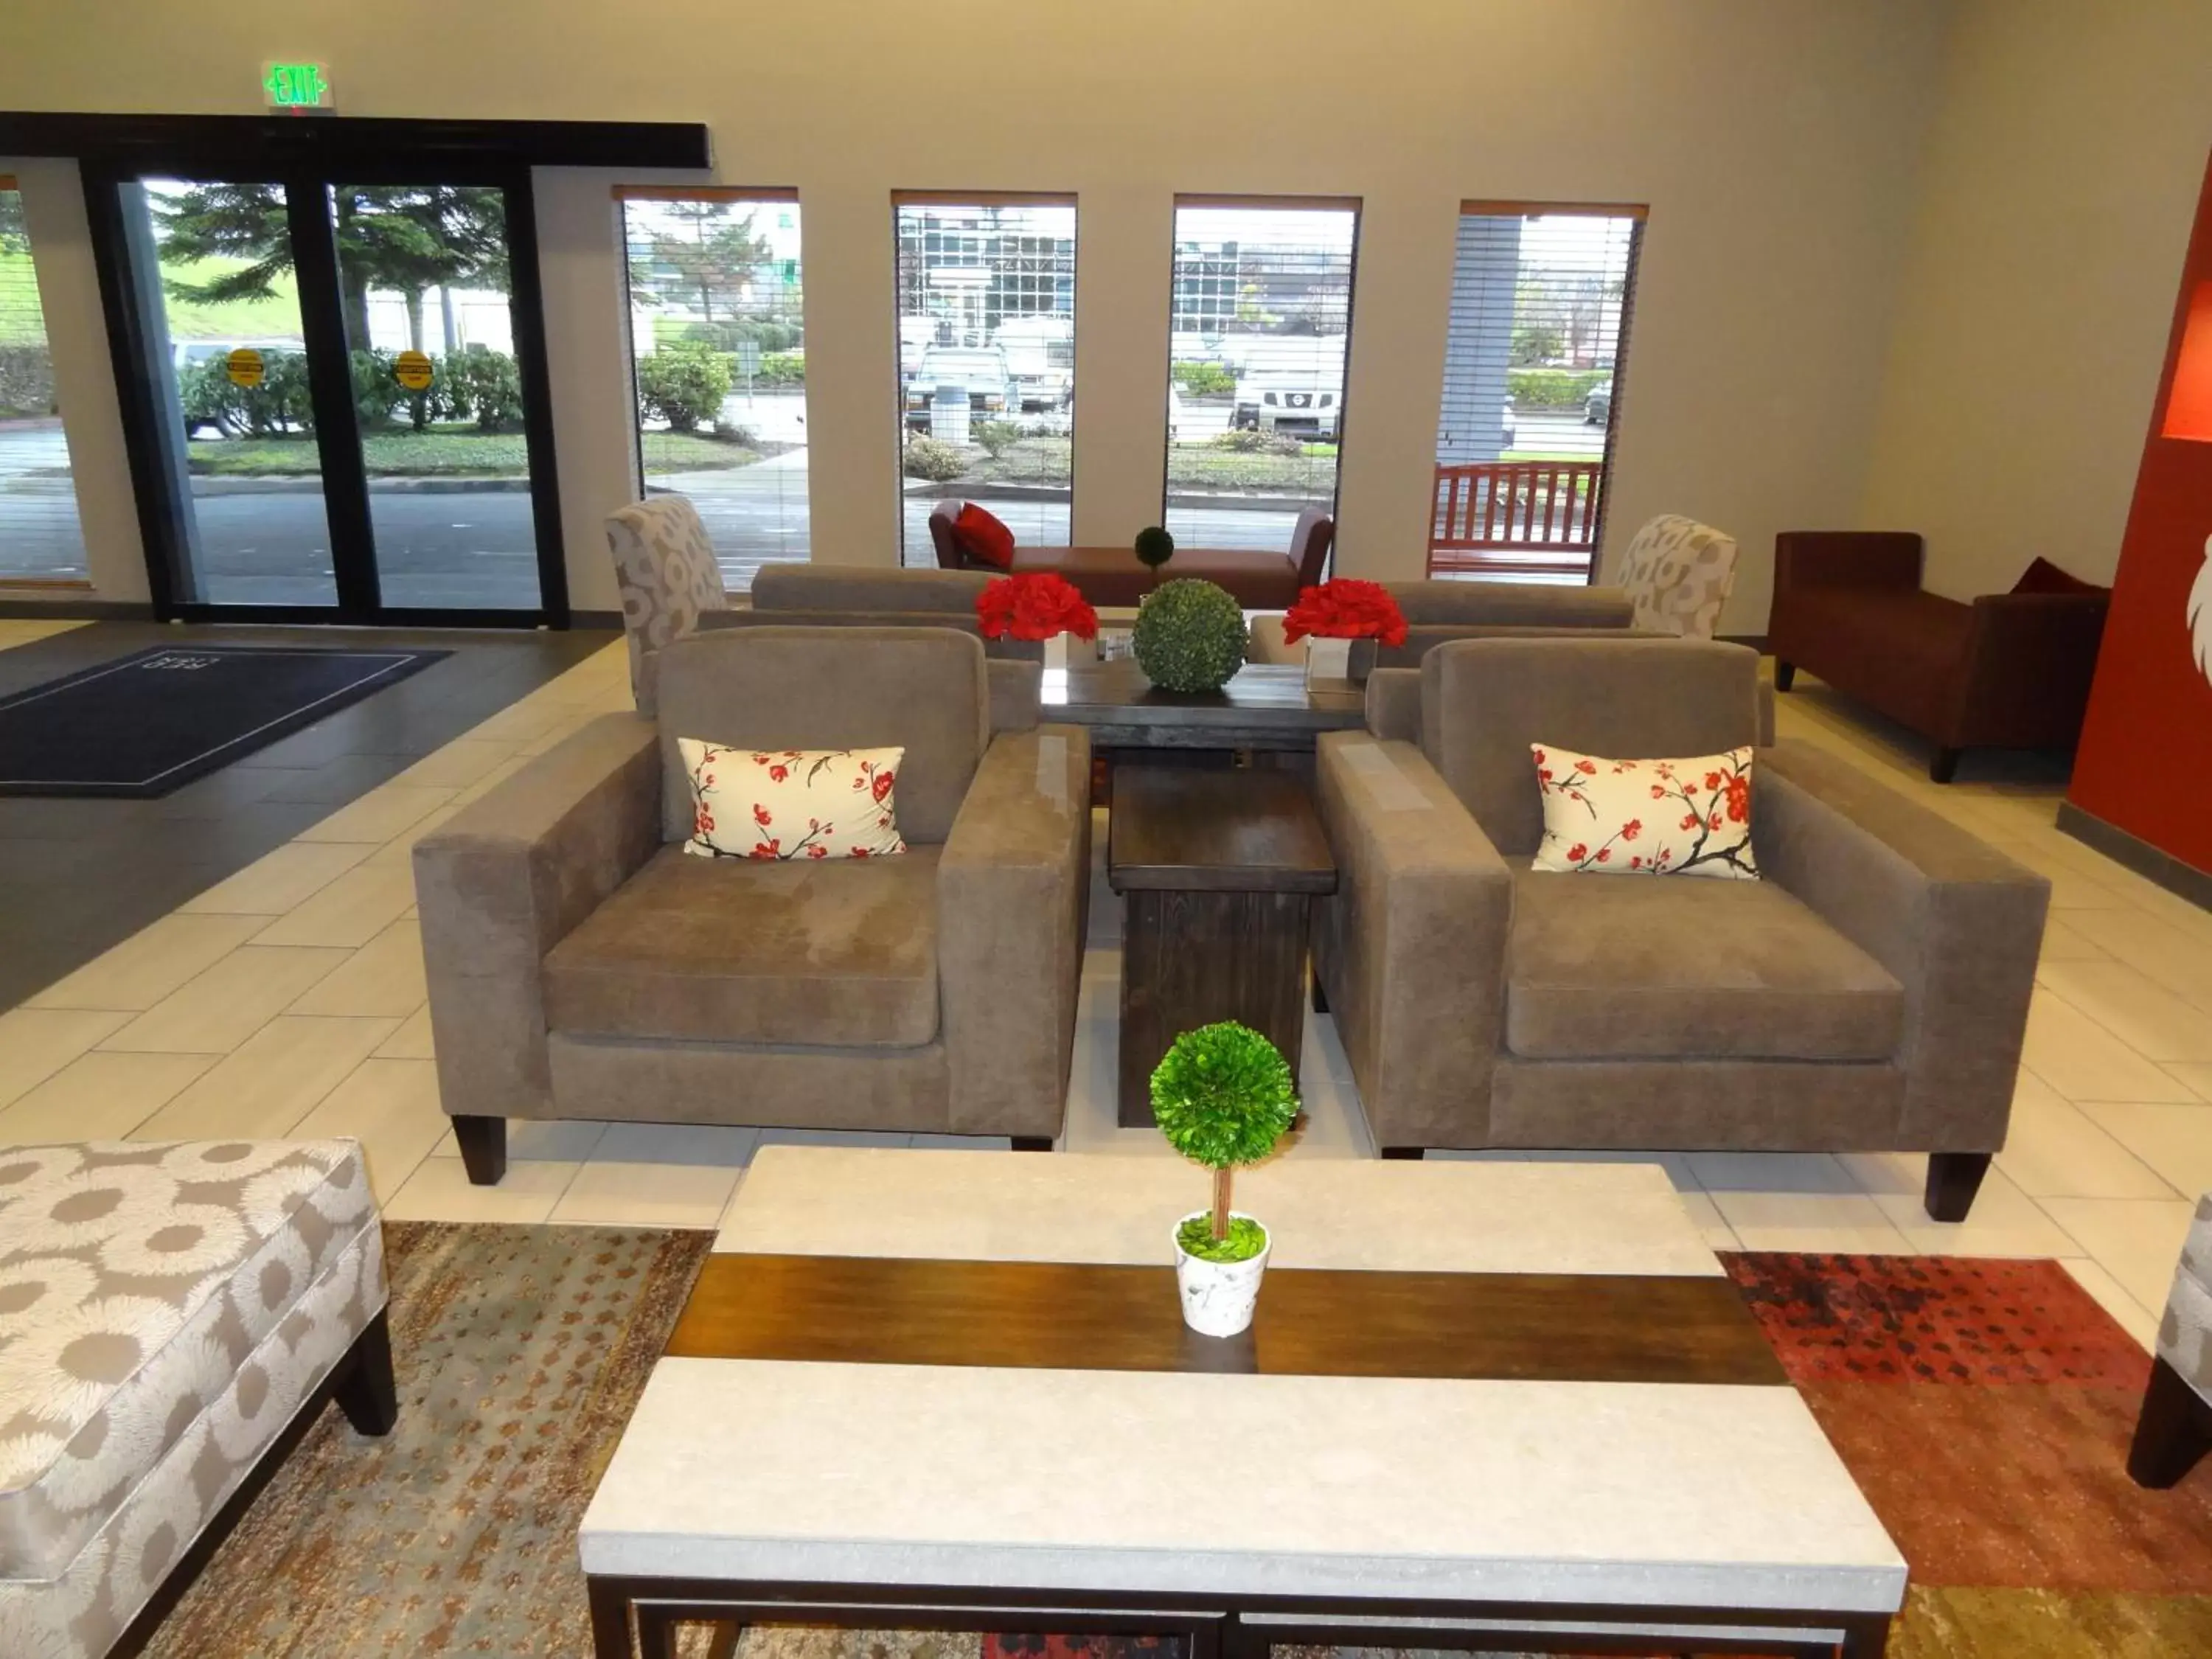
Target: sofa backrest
x=1484, y=702
x=1678, y=573
x=1310, y=540
x=867, y=588
x=922, y=688
x=665, y=569
x=1510, y=604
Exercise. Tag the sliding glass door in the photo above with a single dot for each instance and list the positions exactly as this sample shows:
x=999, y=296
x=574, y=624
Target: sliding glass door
x=333, y=396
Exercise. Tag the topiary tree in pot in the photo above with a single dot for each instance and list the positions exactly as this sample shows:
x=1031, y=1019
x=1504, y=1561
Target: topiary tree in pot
x=1190, y=636
x=1155, y=547
x=1223, y=1097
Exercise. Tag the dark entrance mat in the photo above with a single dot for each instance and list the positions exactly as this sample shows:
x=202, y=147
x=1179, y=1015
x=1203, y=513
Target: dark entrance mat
x=143, y=725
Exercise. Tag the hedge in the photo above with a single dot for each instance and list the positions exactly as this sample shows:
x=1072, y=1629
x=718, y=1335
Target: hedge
x=1553, y=388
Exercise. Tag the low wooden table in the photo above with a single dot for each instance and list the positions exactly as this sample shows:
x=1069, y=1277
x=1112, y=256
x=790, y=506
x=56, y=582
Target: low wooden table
x=1482, y=1406
x=1265, y=705
x=1216, y=872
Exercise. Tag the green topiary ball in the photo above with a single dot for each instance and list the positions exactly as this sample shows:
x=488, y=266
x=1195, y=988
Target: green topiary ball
x=1223, y=1095
x=1190, y=636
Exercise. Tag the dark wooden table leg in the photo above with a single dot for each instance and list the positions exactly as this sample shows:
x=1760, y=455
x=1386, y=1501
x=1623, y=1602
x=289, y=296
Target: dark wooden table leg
x=610, y=1620
x=1866, y=1636
x=656, y=1633
x=367, y=1391
x=1189, y=959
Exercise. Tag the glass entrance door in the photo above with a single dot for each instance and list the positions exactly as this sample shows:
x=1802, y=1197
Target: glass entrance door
x=427, y=298
x=236, y=421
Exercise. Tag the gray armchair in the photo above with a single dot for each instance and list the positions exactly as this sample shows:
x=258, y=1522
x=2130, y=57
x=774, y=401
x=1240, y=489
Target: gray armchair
x=1870, y=993
x=582, y=964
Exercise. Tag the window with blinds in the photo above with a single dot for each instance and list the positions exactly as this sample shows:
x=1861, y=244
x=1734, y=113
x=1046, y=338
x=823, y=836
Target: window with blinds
x=718, y=350
x=40, y=539
x=1260, y=326
x=986, y=362
x=1540, y=302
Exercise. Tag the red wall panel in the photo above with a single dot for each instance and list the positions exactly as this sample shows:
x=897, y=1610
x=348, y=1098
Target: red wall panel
x=2145, y=762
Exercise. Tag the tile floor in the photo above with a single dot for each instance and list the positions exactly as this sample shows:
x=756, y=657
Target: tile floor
x=288, y=1000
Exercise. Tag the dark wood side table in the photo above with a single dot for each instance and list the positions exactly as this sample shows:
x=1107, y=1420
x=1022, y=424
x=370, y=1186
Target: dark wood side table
x=1216, y=871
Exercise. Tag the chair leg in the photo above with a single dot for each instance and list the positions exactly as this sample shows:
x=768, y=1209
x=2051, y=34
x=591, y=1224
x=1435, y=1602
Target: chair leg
x=367, y=1393
x=1953, y=1178
x=483, y=1148
x=1784, y=674
x=2174, y=1431
x=1942, y=763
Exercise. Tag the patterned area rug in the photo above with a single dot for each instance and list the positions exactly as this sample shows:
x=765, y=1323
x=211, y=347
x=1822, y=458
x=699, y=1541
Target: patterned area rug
x=1984, y=1406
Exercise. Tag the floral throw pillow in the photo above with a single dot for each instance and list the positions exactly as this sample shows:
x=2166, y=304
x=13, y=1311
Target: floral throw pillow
x=1646, y=818
x=792, y=803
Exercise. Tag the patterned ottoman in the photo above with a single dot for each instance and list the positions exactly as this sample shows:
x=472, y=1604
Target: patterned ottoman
x=2175, y=1428
x=167, y=1311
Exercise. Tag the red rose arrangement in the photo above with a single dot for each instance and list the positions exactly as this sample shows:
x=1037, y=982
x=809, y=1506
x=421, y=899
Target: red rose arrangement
x=1346, y=608
x=1035, y=606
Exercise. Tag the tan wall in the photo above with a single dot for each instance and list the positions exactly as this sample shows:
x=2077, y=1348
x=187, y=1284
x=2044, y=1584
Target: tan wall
x=1775, y=140
x=2062, y=171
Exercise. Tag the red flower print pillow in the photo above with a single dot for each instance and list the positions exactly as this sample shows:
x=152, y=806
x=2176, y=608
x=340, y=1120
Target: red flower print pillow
x=1646, y=818
x=792, y=803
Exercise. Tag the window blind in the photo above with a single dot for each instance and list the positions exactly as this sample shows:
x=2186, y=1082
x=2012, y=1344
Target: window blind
x=1540, y=304
x=40, y=539
x=718, y=351
x=985, y=290
x=1261, y=331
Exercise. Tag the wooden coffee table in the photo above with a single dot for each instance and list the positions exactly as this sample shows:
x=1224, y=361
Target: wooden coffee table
x=1265, y=705
x=1216, y=871
x=1483, y=1405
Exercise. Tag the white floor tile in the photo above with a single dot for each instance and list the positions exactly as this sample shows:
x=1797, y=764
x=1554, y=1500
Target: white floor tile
x=384, y=977
x=708, y=1146
x=99, y=1096
x=961, y=1143
x=2082, y=1060
x=832, y=1137
x=278, y=879
x=218, y=1009
x=2196, y=1078
x=2137, y=1240
x=412, y=1040
x=1769, y=1172
x=350, y=911
x=2064, y=941
x=2175, y=1141
x=2131, y=1315
x=439, y=1190
x=386, y=811
x=1719, y=1236
x=149, y=965
x=2003, y=1221
x=1811, y=1222
x=2053, y=1149
x=1679, y=1167
x=459, y=764
x=390, y=1106
x=2150, y=1019
x=265, y=1087
x=608, y=1192
x=36, y=1042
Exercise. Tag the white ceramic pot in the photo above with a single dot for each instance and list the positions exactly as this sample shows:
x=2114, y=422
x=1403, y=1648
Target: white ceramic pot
x=1218, y=1297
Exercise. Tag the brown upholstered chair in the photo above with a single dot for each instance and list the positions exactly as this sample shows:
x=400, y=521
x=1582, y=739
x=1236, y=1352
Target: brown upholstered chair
x=1869, y=993
x=2009, y=670
x=1258, y=578
x=582, y=964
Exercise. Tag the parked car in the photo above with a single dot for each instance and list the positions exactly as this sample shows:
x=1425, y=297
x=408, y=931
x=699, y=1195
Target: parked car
x=1041, y=351
x=1597, y=408
x=982, y=369
x=1291, y=384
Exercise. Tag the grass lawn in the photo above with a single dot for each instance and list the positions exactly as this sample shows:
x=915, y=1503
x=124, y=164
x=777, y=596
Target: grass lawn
x=276, y=316
x=442, y=453
x=19, y=302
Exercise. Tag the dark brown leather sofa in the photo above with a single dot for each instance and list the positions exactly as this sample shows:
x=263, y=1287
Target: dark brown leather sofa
x=1255, y=578
x=2009, y=670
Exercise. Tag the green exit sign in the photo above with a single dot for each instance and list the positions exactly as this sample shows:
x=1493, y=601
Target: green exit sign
x=297, y=86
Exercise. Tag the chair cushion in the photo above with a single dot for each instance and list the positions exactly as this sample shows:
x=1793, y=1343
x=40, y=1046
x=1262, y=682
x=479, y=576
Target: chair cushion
x=792, y=802
x=984, y=538
x=2042, y=576
x=137, y=1278
x=837, y=954
x=1687, y=969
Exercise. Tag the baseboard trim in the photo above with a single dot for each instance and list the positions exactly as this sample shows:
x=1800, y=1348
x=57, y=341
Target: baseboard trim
x=73, y=610
x=2152, y=863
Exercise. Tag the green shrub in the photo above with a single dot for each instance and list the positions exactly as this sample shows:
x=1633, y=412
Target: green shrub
x=933, y=458
x=781, y=368
x=376, y=394
x=281, y=406
x=1190, y=636
x=487, y=384
x=682, y=384
x=766, y=332
x=1250, y=440
x=27, y=380
x=1552, y=388
x=997, y=437
x=1205, y=379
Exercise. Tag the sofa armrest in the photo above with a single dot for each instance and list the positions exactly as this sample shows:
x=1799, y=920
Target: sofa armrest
x=1845, y=558
x=2030, y=658
x=504, y=880
x=1013, y=892
x=1955, y=921
x=1411, y=948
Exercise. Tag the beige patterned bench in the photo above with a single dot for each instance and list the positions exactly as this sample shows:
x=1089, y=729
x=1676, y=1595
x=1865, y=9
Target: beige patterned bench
x=166, y=1312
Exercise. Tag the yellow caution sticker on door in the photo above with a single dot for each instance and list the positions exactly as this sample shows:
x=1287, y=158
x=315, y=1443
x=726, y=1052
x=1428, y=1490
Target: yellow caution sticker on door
x=413, y=370
x=244, y=366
